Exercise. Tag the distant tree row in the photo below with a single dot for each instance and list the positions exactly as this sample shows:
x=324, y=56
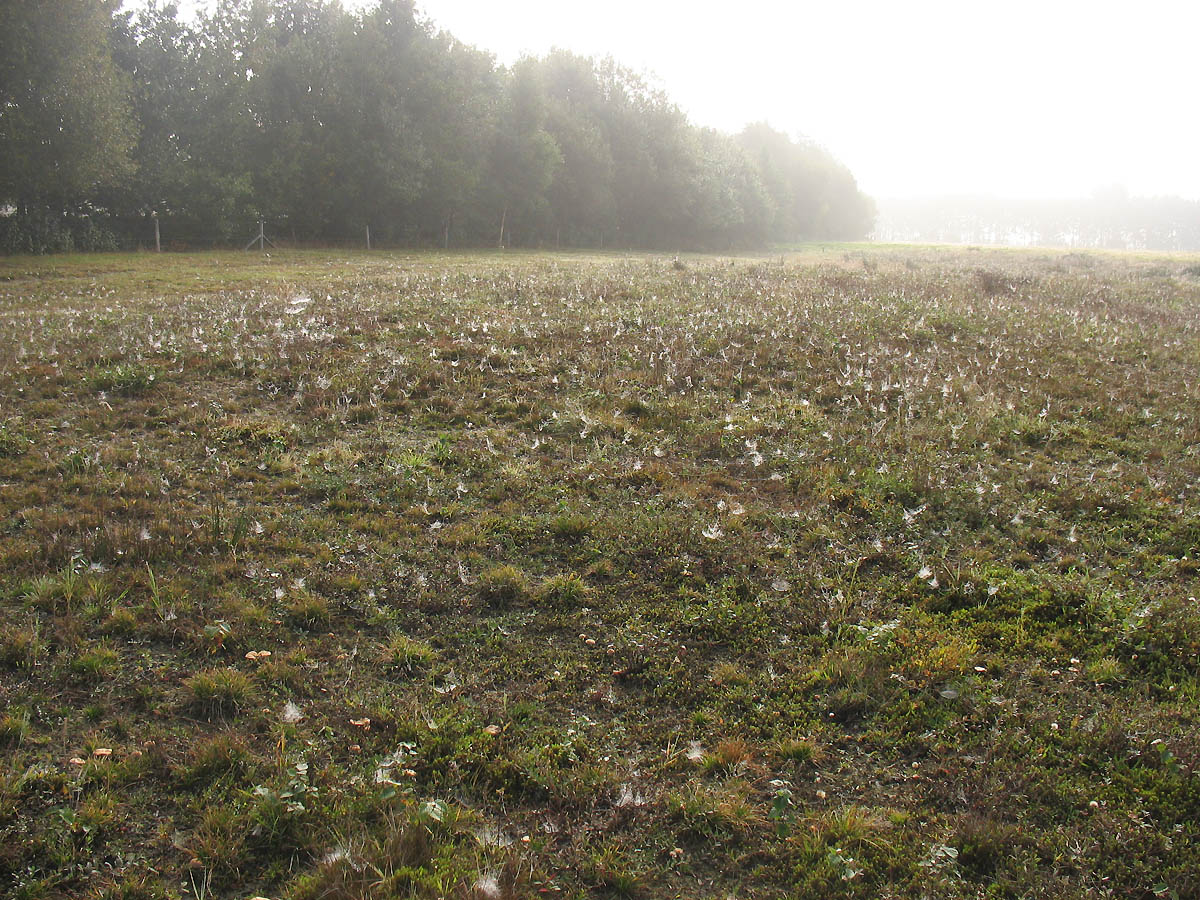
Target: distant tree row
x=1108, y=219
x=325, y=122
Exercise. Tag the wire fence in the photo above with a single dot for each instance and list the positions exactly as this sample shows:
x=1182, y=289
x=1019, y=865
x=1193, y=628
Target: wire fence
x=41, y=234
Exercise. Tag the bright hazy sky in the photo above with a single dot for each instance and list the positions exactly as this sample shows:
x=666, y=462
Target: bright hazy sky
x=1012, y=97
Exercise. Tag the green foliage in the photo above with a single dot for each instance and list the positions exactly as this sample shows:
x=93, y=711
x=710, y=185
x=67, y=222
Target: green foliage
x=808, y=194
x=324, y=120
x=219, y=845
x=95, y=665
x=66, y=127
x=223, y=755
x=408, y=655
x=570, y=526
x=565, y=592
x=126, y=380
x=14, y=727
x=502, y=586
x=798, y=751
x=309, y=610
x=42, y=232
x=13, y=439
x=219, y=692
x=20, y=646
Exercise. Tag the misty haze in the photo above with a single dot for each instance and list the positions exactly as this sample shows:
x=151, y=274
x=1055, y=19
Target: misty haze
x=633, y=450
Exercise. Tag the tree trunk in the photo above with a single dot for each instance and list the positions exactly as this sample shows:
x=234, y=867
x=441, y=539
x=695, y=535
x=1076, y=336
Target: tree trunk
x=503, y=217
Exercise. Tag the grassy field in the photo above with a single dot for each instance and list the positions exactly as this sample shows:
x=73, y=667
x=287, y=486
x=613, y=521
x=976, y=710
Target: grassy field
x=861, y=572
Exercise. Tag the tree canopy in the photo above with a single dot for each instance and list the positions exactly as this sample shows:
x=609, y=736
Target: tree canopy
x=324, y=121
x=65, y=122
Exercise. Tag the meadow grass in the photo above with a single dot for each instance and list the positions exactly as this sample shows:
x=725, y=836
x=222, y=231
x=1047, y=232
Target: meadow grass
x=850, y=572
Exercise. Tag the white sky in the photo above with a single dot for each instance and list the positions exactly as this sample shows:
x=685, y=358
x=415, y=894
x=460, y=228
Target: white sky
x=1016, y=98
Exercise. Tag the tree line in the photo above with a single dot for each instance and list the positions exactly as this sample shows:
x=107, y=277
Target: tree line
x=325, y=122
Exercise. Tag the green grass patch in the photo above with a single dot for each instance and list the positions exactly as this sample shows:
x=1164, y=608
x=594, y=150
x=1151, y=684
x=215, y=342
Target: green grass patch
x=855, y=572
